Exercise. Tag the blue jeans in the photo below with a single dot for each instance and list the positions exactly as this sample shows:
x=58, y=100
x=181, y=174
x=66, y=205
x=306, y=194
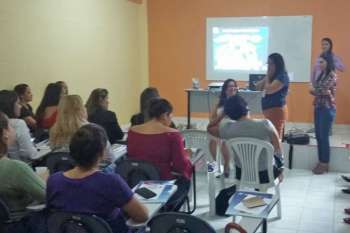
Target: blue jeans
x=323, y=123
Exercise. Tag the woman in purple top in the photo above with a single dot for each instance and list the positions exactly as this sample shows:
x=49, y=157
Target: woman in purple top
x=327, y=47
x=324, y=91
x=86, y=190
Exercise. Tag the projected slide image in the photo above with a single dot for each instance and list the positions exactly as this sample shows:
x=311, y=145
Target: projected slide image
x=241, y=49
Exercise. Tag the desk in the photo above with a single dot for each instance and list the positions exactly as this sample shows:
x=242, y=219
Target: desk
x=200, y=100
x=119, y=151
x=152, y=208
x=43, y=149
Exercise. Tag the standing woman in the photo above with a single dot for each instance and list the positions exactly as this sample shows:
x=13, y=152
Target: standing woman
x=229, y=88
x=98, y=113
x=327, y=48
x=47, y=111
x=276, y=85
x=324, y=91
x=25, y=97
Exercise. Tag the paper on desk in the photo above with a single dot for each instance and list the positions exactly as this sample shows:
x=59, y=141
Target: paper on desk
x=256, y=210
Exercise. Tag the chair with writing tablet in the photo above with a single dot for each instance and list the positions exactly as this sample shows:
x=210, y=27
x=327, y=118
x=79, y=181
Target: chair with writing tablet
x=248, y=151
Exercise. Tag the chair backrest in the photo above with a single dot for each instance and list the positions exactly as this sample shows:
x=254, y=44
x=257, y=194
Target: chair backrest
x=64, y=222
x=59, y=161
x=248, y=152
x=178, y=223
x=196, y=139
x=134, y=171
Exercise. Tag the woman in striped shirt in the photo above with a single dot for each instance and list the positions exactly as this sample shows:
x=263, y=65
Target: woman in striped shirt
x=323, y=89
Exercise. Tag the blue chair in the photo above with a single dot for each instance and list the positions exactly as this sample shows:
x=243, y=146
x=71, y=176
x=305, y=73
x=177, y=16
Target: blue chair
x=178, y=223
x=64, y=222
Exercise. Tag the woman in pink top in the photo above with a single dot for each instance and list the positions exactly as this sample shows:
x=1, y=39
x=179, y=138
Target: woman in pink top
x=155, y=142
x=327, y=48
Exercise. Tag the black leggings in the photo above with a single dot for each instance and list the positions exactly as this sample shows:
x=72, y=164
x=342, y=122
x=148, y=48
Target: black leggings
x=263, y=175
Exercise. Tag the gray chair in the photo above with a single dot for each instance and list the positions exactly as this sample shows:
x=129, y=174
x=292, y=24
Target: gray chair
x=178, y=223
x=64, y=222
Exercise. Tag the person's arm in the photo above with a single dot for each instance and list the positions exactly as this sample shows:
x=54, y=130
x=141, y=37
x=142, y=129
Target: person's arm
x=26, y=146
x=273, y=87
x=326, y=87
x=136, y=210
x=338, y=64
x=213, y=126
x=261, y=84
x=114, y=131
x=179, y=157
x=30, y=121
x=30, y=183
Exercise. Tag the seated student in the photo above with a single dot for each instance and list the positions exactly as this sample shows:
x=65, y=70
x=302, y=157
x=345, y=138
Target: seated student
x=22, y=148
x=156, y=142
x=47, y=111
x=71, y=116
x=243, y=126
x=19, y=185
x=25, y=96
x=86, y=190
x=145, y=97
x=98, y=113
x=64, y=86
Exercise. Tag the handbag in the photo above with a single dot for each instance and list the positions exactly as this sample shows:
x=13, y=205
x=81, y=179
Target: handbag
x=222, y=199
x=297, y=137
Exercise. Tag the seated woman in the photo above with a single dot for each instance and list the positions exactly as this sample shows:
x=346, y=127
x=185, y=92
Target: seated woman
x=104, y=195
x=22, y=148
x=19, y=185
x=71, y=116
x=47, y=111
x=98, y=113
x=25, y=96
x=229, y=88
x=156, y=142
x=243, y=126
x=148, y=94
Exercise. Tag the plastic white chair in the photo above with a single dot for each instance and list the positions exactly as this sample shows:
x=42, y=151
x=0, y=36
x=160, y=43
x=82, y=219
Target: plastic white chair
x=196, y=139
x=248, y=151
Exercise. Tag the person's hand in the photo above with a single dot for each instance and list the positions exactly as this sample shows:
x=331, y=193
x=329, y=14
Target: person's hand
x=189, y=152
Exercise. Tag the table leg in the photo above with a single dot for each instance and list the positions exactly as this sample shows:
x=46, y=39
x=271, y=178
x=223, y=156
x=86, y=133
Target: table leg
x=188, y=110
x=290, y=155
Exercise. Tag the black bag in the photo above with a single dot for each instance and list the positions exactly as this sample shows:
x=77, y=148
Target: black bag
x=297, y=137
x=222, y=199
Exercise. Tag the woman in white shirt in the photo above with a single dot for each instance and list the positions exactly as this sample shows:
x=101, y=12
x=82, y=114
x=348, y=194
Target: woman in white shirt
x=23, y=147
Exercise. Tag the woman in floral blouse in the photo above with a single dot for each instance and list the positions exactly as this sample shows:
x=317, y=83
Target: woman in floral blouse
x=324, y=91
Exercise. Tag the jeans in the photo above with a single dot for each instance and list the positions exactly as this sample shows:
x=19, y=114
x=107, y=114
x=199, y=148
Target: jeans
x=323, y=123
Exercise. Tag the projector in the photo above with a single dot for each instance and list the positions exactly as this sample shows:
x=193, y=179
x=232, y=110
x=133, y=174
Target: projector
x=214, y=86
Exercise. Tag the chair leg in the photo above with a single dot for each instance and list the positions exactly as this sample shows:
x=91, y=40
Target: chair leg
x=279, y=205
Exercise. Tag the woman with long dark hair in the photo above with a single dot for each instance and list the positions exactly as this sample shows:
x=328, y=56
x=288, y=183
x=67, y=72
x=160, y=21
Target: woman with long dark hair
x=25, y=97
x=276, y=85
x=229, y=88
x=98, y=113
x=325, y=108
x=327, y=48
x=22, y=148
x=47, y=111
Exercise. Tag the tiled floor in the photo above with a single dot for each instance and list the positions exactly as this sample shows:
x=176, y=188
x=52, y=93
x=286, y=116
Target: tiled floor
x=310, y=204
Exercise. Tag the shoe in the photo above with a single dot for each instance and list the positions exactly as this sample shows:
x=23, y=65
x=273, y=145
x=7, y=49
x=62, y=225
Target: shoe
x=320, y=168
x=346, y=178
x=346, y=220
x=347, y=210
x=347, y=191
